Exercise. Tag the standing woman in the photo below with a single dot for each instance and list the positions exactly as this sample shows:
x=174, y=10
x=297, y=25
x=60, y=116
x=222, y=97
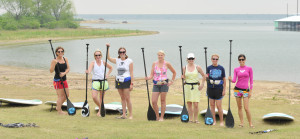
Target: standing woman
x=241, y=90
x=124, y=79
x=97, y=68
x=216, y=87
x=64, y=68
x=193, y=86
x=160, y=83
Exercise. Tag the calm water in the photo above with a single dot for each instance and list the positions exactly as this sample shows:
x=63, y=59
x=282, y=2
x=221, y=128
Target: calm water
x=274, y=55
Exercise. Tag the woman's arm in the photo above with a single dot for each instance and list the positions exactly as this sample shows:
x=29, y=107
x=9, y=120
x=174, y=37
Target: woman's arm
x=90, y=67
x=203, y=77
x=152, y=72
x=110, y=68
x=52, y=66
x=173, y=71
x=112, y=60
x=131, y=75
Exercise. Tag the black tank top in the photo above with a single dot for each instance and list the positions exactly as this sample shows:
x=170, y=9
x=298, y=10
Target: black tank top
x=62, y=68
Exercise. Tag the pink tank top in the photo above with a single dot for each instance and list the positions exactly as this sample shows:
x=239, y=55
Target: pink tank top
x=160, y=74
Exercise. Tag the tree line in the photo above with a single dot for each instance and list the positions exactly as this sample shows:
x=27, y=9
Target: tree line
x=34, y=14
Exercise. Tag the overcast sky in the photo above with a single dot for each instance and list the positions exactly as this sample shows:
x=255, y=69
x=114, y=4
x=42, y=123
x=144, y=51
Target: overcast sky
x=185, y=6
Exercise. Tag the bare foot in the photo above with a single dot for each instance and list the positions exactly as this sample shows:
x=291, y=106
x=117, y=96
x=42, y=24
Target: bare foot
x=130, y=117
x=62, y=113
x=161, y=119
x=221, y=124
x=214, y=123
x=98, y=114
x=252, y=126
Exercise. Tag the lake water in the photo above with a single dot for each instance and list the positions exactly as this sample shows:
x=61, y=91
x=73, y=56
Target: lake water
x=274, y=55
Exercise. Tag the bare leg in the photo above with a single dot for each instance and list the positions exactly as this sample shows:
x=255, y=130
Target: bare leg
x=155, y=96
x=240, y=111
x=220, y=111
x=128, y=102
x=190, y=110
x=123, y=101
x=196, y=111
x=246, y=107
x=61, y=97
x=212, y=109
x=96, y=100
x=163, y=105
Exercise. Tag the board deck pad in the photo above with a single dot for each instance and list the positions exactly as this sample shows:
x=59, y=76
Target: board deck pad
x=77, y=105
x=203, y=112
x=278, y=116
x=21, y=101
x=172, y=109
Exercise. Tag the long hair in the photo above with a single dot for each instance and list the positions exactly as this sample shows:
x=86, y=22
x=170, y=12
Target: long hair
x=125, y=52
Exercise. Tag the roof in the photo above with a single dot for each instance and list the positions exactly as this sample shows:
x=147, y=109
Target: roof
x=290, y=19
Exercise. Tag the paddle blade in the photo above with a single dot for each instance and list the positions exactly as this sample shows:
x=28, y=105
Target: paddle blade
x=102, y=109
x=208, y=117
x=151, y=114
x=85, y=111
x=229, y=119
x=184, y=115
x=70, y=108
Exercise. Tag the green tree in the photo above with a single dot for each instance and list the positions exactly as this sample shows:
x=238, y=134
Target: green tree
x=61, y=9
x=17, y=8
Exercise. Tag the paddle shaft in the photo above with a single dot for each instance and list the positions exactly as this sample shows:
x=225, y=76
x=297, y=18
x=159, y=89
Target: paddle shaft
x=182, y=74
x=230, y=72
x=206, y=73
x=146, y=76
x=102, y=104
x=86, y=80
x=58, y=70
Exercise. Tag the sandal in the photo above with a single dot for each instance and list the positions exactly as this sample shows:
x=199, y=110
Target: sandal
x=121, y=117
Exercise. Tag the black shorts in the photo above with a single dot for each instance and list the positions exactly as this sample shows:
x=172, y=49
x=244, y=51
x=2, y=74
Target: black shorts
x=215, y=93
x=123, y=85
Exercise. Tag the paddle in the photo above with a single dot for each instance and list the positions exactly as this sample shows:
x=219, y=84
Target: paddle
x=85, y=111
x=150, y=114
x=229, y=118
x=208, y=116
x=184, y=113
x=70, y=107
x=102, y=104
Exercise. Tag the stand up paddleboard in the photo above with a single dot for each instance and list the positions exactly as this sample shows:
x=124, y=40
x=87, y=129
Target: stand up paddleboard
x=77, y=105
x=278, y=116
x=113, y=107
x=20, y=101
x=203, y=112
x=172, y=109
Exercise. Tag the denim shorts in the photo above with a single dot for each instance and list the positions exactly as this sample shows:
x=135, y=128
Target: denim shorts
x=160, y=88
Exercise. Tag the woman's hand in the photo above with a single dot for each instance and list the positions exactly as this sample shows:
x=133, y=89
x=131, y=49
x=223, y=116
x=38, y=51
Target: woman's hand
x=200, y=87
x=131, y=87
x=250, y=94
x=170, y=83
x=229, y=78
x=62, y=74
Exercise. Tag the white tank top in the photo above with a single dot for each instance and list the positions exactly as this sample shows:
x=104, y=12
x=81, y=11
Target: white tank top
x=123, y=68
x=98, y=71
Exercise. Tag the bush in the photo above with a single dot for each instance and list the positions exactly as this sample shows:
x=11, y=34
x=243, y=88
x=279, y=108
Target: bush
x=29, y=23
x=11, y=26
x=61, y=24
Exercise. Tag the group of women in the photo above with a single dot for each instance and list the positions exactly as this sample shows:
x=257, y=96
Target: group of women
x=124, y=81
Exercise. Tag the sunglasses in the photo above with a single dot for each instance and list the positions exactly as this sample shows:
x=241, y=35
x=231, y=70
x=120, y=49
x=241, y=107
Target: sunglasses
x=120, y=52
x=60, y=51
x=191, y=58
x=215, y=59
x=241, y=59
x=97, y=55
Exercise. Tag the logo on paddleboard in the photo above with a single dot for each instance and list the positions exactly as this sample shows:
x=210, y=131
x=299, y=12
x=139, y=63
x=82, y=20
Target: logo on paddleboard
x=71, y=111
x=85, y=111
x=209, y=120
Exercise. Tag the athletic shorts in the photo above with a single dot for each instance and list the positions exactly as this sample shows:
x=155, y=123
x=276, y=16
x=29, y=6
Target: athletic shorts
x=215, y=93
x=98, y=85
x=123, y=85
x=240, y=92
x=58, y=85
x=160, y=88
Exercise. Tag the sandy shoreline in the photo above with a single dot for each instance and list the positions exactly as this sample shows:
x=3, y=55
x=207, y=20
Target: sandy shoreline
x=25, y=77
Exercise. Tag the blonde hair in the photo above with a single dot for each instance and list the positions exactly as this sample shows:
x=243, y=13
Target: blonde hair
x=215, y=55
x=161, y=51
x=98, y=50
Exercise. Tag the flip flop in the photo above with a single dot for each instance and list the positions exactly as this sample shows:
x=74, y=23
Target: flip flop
x=121, y=117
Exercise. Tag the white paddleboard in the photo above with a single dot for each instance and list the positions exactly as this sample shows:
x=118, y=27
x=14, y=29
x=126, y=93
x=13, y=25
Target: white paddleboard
x=76, y=104
x=203, y=112
x=173, y=109
x=21, y=101
x=278, y=116
x=113, y=106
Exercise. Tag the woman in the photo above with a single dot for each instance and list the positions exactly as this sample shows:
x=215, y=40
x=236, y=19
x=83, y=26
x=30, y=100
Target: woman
x=60, y=80
x=241, y=89
x=124, y=79
x=97, y=68
x=160, y=83
x=192, y=95
x=216, y=87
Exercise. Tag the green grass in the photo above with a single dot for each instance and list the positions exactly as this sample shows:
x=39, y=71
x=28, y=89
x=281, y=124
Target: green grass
x=38, y=35
x=53, y=125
